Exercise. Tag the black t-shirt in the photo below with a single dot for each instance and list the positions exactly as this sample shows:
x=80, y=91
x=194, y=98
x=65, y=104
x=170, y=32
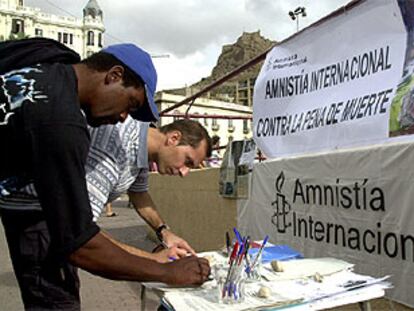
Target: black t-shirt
x=45, y=140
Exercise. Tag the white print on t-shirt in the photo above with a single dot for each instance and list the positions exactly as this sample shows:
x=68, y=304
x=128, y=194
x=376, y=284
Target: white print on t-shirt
x=16, y=88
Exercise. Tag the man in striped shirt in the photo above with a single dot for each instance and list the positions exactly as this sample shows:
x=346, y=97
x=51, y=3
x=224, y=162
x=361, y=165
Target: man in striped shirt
x=118, y=163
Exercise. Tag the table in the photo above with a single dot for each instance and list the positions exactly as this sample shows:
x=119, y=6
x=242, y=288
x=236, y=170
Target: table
x=362, y=297
x=287, y=288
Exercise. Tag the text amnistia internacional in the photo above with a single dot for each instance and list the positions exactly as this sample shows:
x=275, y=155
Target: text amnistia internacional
x=360, y=197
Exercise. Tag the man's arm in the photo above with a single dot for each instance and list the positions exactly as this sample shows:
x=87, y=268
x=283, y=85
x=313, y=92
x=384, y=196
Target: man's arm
x=102, y=257
x=162, y=256
x=145, y=207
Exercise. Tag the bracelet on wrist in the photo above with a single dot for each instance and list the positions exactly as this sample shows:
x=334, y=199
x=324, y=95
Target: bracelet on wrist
x=158, y=231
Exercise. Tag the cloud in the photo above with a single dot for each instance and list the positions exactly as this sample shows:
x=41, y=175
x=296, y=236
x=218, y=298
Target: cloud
x=192, y=32
x=181, y=28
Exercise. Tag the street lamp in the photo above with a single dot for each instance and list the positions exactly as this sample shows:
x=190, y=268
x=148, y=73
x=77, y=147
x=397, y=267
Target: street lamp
x=294, y=15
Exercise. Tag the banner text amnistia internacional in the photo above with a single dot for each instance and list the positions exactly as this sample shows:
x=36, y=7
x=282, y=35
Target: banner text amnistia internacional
x=356, y=67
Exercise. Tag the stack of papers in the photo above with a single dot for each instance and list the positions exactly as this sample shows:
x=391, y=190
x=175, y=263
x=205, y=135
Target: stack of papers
x=294, y=287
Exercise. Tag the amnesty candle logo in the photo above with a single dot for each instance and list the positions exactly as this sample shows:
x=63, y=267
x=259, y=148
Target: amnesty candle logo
x=281, y=206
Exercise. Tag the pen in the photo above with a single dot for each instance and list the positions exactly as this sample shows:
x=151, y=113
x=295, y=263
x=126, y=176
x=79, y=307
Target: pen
x=234, y=253
x=238, y=236
x=228, y=243
x=354, y=284
x=258, y=254
x=172, y=258
x=229, y=271
x=246, y=251
x=164, y=244
x=241, y=252
x=247, y=245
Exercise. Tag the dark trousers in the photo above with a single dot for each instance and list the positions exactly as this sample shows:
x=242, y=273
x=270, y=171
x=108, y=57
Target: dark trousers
x=45, y=284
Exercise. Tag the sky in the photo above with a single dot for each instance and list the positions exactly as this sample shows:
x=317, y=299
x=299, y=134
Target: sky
x=185, y=37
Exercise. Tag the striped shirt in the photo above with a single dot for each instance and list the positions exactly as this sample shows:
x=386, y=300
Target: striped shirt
x=117, y=162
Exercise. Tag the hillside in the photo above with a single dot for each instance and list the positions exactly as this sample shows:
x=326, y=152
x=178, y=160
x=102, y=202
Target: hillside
x=247, y=46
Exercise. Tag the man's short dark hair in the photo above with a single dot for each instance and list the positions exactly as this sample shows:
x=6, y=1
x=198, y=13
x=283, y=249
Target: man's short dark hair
x=102, y=61
x=192, y=133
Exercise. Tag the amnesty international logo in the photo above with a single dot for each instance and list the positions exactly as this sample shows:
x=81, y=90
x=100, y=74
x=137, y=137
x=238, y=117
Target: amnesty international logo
x=281, y=207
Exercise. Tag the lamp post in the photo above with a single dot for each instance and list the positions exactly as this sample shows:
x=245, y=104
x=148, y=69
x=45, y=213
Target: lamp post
x=294, y=15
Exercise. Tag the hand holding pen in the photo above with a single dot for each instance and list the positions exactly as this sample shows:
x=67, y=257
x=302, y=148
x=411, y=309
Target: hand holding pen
x=190, y=270
x=166, y=255
x=170, y=239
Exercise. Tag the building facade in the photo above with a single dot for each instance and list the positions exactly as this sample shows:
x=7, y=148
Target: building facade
x=84, y=35
x=208, y=109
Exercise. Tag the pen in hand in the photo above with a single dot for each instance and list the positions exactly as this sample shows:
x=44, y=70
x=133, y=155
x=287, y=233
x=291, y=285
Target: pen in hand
x=164, y=244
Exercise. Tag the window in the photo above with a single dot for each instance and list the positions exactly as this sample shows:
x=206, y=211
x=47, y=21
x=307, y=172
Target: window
x=243, y=84
x=17, y=26
x=246, y=127
x=205, y=120
x=215, y=126
x=91, y=38
x=196, y=118
x=65, y=38
x=59, y=36
x=70, y=38
x=230, y=126
x=100, y=40
x=38, y=32
x=176, y=112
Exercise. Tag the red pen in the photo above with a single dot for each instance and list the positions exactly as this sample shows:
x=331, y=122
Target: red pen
x=234, y=252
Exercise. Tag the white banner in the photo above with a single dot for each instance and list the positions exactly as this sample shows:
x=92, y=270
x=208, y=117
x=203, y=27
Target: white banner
x=332, y=85
x=353, y=205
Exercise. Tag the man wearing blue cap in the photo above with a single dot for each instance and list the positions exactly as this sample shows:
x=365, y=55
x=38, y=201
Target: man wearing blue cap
x=47, y=98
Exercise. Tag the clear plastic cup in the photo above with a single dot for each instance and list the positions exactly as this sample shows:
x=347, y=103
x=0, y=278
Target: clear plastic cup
x=230, y=289
x=253, y=272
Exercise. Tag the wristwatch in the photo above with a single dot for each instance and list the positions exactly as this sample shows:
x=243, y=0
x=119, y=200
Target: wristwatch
x=158, y=231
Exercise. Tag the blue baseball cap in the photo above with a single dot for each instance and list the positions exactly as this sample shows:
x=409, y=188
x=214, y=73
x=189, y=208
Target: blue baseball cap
x=140, y=63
